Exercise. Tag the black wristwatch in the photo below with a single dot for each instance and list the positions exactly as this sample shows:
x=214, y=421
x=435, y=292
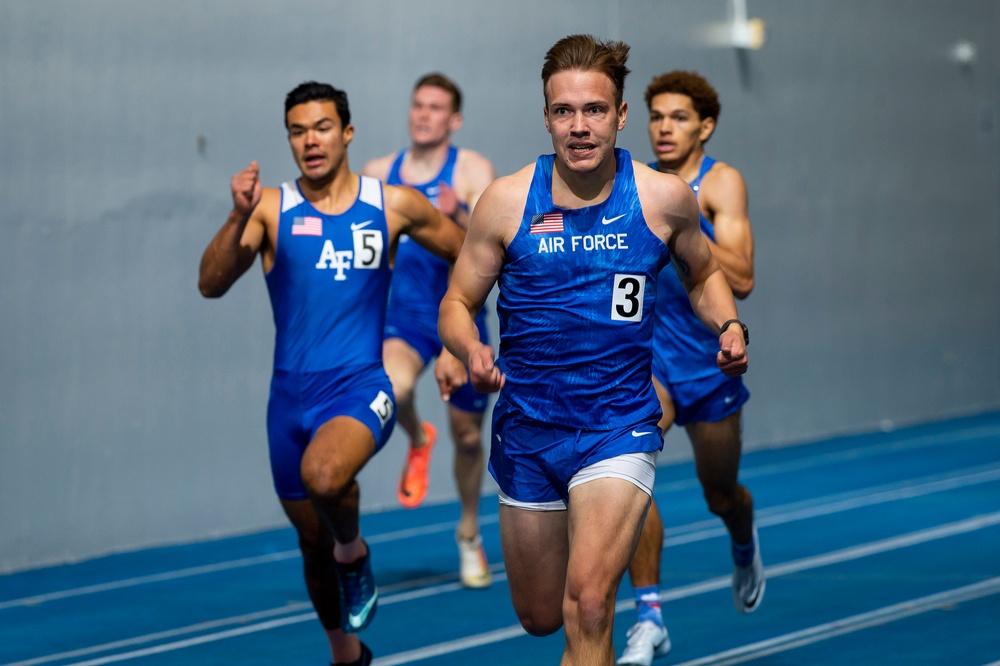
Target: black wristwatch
x=746, y=331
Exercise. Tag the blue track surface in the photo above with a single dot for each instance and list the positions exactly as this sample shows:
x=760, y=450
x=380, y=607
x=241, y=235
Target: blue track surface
x=880, y=549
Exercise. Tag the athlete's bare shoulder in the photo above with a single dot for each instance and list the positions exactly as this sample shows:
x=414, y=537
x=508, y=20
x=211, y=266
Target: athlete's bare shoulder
x=473, y=173
x=511, y=189
x=501, y=206
x=268, y=208
x=402, y=198
x=722, y=175
x=667, y=200
x=471, y=161
x=723, y=193
x=379, y=167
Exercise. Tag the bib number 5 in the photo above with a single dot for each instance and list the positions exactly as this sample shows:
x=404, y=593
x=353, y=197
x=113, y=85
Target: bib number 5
x=367, y=249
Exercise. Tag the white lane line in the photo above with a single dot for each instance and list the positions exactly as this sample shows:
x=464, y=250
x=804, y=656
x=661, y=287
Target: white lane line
x=220, y=566
x=795, y=566
x=430, y=586
x=163, y=635
x=830, y=504
x=848, y=625
x=943, y=440
x=677, y=534
x=426, y=588
x=152, y=578
x=497, y=635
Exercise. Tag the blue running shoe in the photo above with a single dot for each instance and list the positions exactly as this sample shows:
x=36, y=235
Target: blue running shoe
x=749, y=581
x=358, y=594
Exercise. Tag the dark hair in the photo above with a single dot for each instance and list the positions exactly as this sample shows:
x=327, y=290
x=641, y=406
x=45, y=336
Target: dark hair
x=586, y=53
x=438, y=80
x=703, y=96
x=311, y=91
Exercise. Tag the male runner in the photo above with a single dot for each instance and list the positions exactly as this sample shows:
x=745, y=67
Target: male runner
x=576, y=240
x=683, y=112
x=326, y=242
x=453, y=179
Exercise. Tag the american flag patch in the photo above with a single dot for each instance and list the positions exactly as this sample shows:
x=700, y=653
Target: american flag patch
x=549, y=223
x=307, y=226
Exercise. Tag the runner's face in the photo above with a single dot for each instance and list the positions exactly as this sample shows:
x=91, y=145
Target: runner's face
x=582, y=118
x=675, y=128
x=432, y=116
x=318, y=139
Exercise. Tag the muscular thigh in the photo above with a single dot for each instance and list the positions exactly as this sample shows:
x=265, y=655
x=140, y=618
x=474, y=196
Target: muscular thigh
x=301, y=403
x=403, y=364
x=599, y=554
x=535, y=552
x=338, y=451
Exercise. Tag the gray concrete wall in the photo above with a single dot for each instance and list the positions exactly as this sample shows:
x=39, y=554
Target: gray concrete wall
x=132, y=410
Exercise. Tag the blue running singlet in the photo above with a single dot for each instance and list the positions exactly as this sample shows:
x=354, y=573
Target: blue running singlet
x=684, y=348
x=328, y=288
x=576, y=302
x=329, y=282
x=419, y=282
x=420, y=278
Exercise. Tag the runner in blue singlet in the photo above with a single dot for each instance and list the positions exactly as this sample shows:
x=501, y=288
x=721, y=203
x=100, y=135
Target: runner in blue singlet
x=325, y=241
x=683, y=112
x=452, y=178
x=575, y=242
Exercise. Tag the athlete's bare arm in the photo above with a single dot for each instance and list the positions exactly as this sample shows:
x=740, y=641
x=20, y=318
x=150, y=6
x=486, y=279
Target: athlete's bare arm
x=494, y=222
x=409, y=212
x=671, y=211
x=247, y=232
x=723, y=194
x=473, y=174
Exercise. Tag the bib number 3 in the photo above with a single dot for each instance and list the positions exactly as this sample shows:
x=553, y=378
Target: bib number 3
x=627, y=297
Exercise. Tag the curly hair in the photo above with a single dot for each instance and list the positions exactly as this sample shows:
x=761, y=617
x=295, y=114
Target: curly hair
x=703, y=96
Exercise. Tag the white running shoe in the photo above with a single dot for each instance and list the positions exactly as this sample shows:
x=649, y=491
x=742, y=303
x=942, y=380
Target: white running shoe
x=473, y=567
x=749, y=581
x=646, y=641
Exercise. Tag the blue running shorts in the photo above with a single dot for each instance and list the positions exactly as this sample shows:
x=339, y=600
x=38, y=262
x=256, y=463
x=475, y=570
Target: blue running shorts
x=420, y=332
x=706, y=400
x=533, y=462
x=302, y=402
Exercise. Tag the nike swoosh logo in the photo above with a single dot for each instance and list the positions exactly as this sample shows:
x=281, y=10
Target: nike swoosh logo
x=605, y=220
x=360, y=225
x=640, y=434
x=729, y=398
x=358, y=620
